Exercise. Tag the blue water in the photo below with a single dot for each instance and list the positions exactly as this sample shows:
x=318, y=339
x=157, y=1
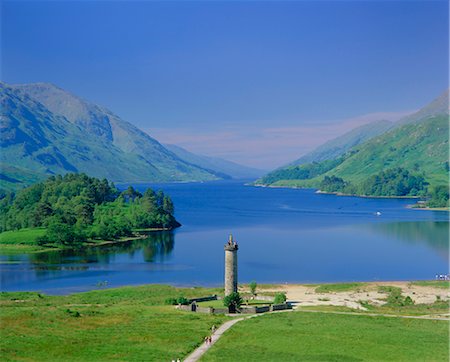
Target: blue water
x=285, y=236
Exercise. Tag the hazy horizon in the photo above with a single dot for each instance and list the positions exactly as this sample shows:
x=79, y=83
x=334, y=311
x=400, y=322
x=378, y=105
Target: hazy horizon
x=258, y=83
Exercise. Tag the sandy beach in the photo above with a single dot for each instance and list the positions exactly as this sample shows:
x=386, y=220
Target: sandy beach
x=306, y=295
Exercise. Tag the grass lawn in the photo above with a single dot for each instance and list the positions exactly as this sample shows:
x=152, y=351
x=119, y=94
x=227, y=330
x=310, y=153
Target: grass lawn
x=212, y=303
x=445, y=284
x=22, y=241
x=298, y=336
x=127, y=324
x=22, y=236
x=339, y=287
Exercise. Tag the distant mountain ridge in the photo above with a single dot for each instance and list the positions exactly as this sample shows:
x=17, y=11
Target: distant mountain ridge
x=217, y=164
x=46, y=130
x=340, y=145
x=418, y=143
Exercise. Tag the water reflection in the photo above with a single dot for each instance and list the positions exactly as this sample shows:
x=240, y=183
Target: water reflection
x=286, y=235
x=434, y=234
x=155, y=247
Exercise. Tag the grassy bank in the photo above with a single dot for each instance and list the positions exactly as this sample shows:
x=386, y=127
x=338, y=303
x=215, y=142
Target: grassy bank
x=21, y=241
x=130, y=323
x=301, y=336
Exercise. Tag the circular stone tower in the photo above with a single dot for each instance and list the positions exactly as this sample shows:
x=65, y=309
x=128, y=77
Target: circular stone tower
x=231, y=249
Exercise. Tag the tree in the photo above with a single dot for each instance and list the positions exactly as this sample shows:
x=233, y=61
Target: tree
x=280, y=298
x=168, y=205
x=232, y=300
x=253, y=286
x=439, y=196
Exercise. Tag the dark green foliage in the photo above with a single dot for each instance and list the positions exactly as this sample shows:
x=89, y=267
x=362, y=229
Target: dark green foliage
x=171, y=301
x=438, y=196
x=182, y=301
x=394, y=182
x=395, y=297
x=333, y=184
x=73, y=313
x=233, y=300
x=76, y=207
x=301, y=172
x=280, y=298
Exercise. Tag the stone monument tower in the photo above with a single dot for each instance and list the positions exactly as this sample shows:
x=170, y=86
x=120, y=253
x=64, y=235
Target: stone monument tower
x=231, y=249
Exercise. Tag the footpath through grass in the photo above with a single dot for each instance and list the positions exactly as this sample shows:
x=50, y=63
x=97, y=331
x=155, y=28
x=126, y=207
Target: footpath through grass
x=126, y=324
x=300, y=336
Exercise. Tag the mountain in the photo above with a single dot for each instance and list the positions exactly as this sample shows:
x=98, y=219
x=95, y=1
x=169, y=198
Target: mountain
x=218, y=165
x=340, y=145
x=46, y=130
x=438, y=106
x=417, y=143
x=420, y=147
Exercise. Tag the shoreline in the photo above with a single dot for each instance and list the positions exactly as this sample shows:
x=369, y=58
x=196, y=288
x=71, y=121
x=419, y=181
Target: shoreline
x=318, y=191
x=262, y=287
x=139, y=234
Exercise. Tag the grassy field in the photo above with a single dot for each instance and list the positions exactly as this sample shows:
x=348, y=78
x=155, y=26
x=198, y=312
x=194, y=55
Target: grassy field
x=23, y=240
x=444, y=284
x=130, y=323
x=134, y=324
x=338, y=287
x=301, y=336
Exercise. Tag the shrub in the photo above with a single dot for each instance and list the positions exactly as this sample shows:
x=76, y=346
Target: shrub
x=73, y=313
x=233, y=299
x=182, y=301
x=253, y=286
x=408, y=301
x=280, y=298
x=171, y=301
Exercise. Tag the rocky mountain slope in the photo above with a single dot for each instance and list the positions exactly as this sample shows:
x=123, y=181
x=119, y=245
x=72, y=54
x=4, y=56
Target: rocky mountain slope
x=46, y=130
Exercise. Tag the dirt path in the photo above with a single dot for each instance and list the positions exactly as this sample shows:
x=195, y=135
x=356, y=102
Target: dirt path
x=200, y=351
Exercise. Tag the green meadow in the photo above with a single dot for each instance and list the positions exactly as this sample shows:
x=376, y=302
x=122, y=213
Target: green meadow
x=301, y=336
x=130, y=323
x=21, y=241
x=135, y=324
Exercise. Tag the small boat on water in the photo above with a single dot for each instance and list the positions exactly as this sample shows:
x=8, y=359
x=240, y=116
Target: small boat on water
x=378, y=213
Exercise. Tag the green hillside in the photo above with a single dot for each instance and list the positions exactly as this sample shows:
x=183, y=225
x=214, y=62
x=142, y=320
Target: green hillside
x=410, y=159
x=421, y=148
x=340, y=145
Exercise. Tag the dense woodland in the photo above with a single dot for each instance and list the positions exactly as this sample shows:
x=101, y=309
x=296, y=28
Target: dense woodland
x=301, y=172
x=392, y=182
x=75, y=207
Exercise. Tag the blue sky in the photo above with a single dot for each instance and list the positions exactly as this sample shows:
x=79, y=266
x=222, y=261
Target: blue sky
x=257, y=82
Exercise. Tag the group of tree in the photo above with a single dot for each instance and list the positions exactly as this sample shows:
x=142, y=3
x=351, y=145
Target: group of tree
x=301, y=172
x=392, y=182
x=76, y=207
